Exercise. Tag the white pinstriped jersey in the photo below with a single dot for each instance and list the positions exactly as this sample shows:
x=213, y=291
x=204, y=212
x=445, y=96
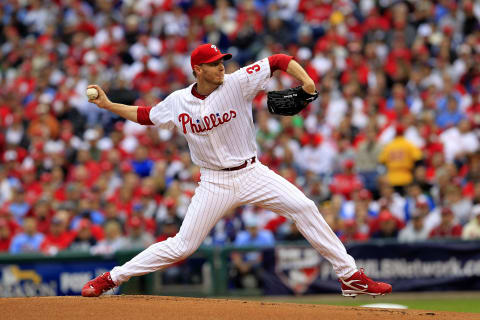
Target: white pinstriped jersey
x=219, y=129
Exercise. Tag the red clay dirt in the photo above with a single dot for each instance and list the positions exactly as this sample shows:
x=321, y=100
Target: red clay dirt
x=172, y=308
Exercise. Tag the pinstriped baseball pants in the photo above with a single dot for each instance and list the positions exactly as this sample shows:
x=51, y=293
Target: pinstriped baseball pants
x=220, y=192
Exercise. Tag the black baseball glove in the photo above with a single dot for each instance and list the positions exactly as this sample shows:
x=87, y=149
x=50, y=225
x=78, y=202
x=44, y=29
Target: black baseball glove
x=289, y=102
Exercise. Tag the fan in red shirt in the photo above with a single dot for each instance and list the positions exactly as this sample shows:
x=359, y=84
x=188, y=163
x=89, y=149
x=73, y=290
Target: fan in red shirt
x=146, y=79
x=25, y=83
x=346, y=182
x=199, y=10
x=356, y=66
x=448, y=227
x=172, y=76
x=316, y=11
x=148, y=224
x=58, y=238
x=6, y=235
x=43, y=212
x=169, y=229
x=32, y=185
x=351, y=232
x=248, y=15
x=376, y=21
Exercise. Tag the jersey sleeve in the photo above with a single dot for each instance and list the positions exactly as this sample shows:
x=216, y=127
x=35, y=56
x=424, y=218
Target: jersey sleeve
x=416, y=153
x=253, y=78
x=382, y=157
x=161, y=114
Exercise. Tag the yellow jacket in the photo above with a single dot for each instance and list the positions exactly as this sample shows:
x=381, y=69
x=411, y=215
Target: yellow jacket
x=399, y=156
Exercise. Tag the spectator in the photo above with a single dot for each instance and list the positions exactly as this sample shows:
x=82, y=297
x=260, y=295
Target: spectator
x=5, y=235
x=84, y=240
x=476, y=193
x=138, y=237
x=471, y=231
x=146, y=79
x=6, y=186
x=246, y=268
x=86, y=210
x=172, y=76
x=169, y=228
x=226, y=229
x=414, y=198
x=451, y=116
x=366, y=159
x=253, y=235
x=351, y=232
x=225, y=18
x=114, y=240
x=58, y=237
x=317, y=155
x=448, y=227
x=420, y=178
x=459, y=141
x=147, y=223
x=168, y=210
x=29, y=240
x=415, y=230
x=43, y=212
x=391, y=201
x=473, y=173
x=214, y=35
x=142, y=164
x=387, y=226
x=199, y=10
x=345, y=152
x=460, y=205
x=346, y=182
x=149, y=202
x=361, y=200
x=18, y=206
x=400, y=156
x=111, y=213
x=176, y=22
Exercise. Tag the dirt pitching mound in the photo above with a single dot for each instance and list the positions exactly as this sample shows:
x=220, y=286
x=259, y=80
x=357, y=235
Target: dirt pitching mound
x=172, y=308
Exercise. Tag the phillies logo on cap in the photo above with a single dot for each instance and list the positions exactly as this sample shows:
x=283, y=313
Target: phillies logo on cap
x=207, y=53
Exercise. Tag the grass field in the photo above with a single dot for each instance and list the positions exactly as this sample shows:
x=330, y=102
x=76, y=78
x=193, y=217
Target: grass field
x=435, y=301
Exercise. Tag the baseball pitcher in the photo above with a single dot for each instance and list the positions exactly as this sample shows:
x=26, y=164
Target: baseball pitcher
x=215, y=116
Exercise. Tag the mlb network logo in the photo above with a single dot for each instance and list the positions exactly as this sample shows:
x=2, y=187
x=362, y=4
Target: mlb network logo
x=297, y=267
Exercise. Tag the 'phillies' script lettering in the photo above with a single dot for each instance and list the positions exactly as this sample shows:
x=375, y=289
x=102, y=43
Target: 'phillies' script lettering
x=211, y=121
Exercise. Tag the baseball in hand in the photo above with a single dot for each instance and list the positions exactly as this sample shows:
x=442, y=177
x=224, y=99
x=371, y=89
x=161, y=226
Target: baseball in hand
x=92, y=93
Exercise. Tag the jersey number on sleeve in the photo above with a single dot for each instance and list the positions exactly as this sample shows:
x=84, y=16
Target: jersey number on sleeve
x=254, y=68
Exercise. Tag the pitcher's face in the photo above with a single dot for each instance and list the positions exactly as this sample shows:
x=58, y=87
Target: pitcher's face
x=212, y=72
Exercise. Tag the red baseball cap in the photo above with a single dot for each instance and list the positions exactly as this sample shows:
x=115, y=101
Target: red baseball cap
x=385, y=215
x=135, y=222
x=207, y=53
x=84, y=224
x=349, y=164
x=399, y=129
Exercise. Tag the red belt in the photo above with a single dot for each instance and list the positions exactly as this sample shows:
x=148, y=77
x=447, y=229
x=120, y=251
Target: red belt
x=243, y=165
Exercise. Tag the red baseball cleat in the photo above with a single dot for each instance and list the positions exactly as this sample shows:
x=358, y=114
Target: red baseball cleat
x=359, y=283
x=99, y=285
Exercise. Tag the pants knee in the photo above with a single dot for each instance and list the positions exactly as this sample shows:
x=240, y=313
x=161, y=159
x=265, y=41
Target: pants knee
x=181, y=248
x=307, y=206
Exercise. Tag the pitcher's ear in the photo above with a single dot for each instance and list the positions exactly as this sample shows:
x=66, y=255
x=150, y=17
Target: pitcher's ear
x=196, y=70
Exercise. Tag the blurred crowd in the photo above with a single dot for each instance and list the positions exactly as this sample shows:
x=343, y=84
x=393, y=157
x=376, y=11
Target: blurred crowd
x=389, y=150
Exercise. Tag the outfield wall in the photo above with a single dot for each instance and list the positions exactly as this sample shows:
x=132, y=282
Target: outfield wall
x=285, y=269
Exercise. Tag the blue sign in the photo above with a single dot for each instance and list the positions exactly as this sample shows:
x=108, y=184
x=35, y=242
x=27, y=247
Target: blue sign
x=56, y=278
x=426, y=266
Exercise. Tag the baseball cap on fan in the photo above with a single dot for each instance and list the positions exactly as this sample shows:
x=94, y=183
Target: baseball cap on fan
x=207, y=53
